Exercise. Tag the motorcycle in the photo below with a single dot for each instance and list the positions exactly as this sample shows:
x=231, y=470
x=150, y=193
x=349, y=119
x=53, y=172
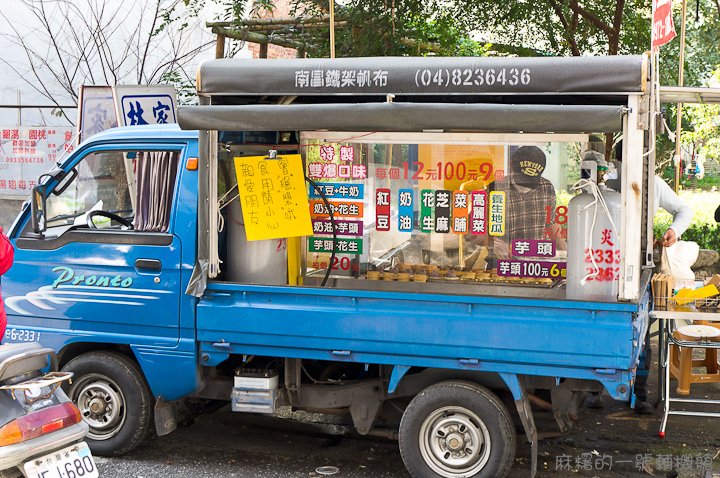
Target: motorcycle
x=41, y=430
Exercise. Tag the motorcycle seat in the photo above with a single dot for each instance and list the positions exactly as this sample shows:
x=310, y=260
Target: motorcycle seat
x=22, y=358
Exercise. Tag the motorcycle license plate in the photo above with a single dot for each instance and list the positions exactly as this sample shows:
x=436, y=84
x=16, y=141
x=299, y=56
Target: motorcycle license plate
x=72, y=462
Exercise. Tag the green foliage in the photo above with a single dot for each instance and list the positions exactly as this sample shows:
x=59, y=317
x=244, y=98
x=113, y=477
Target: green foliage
x=702, y=52
x=564, y=27
x=704, y=122
x=185, y=88
x=381, y=28
x=702, y=58
x=372, y=27
x=706, y=235
x=703, y=230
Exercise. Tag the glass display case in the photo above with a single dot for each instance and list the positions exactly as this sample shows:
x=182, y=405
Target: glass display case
x=439, y=209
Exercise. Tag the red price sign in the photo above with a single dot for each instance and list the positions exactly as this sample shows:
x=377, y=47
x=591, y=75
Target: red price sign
x=602, y=274
x=602, y=256
x=606, y=267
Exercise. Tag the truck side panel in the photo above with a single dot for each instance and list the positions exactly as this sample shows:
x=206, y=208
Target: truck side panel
x=533, y=337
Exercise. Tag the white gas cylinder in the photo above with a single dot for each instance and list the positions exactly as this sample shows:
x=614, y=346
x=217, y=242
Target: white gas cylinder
x=593, y=255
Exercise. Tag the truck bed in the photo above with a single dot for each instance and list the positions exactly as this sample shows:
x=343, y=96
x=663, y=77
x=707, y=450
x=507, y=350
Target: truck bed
x=532, y=336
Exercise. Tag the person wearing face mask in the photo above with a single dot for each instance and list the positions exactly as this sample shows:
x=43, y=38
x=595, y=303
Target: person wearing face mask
x=528, y=196
x=664, y=197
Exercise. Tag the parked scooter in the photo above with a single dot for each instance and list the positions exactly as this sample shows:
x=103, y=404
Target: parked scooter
x=41, y=430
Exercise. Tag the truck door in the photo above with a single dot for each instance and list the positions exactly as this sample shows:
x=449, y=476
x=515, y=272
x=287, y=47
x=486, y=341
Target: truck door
x=108, y=263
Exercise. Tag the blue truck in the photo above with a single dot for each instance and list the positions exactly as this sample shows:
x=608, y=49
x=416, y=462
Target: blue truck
x=132, y=261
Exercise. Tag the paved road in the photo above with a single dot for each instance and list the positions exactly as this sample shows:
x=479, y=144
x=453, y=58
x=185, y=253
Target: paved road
x=225, y=444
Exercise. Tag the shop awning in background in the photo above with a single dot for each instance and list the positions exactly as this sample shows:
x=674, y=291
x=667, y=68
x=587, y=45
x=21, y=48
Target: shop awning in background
x=689, y=94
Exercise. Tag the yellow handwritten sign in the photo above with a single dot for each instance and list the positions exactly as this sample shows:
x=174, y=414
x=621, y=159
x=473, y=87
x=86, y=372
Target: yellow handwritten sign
x=273, y=197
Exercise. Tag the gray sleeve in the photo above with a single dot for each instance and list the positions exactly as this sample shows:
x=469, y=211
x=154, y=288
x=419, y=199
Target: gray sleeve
x=668, y=200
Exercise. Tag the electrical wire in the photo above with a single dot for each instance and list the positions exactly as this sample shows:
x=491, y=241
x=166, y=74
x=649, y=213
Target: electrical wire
x=213, y=222
x=222, y=205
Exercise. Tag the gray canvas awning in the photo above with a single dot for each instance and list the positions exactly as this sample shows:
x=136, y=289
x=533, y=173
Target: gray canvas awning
x=404, y=117
x=423, y=75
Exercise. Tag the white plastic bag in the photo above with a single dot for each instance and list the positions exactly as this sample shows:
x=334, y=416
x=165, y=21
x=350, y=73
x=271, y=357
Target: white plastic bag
x=677, y=261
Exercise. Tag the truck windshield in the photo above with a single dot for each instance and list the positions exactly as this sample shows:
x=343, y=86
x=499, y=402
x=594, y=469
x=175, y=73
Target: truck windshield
x=102, y=183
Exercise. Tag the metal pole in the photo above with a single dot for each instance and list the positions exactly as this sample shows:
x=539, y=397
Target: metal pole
x=332, y=28
x=19, y=103
x=681, y=71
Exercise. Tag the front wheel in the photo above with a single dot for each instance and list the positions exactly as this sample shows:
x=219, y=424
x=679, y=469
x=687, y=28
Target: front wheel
x=113, y=399
x=457, y=429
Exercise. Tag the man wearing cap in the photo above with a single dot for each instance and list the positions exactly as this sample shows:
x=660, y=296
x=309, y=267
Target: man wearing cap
x=528, y=195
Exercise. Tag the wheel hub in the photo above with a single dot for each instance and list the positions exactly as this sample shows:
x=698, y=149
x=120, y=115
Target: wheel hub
x=102, y=406
x=453, y=435
x=454, y=442
x=97, y=406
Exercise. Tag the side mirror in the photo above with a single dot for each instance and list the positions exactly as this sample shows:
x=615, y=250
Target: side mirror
x=37, y=208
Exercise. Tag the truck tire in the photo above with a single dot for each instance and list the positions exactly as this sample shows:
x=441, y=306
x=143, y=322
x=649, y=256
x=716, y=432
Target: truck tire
x=457, y=429
x=110, y=391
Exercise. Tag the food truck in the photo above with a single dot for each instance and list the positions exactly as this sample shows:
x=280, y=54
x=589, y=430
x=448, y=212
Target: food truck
x=374, y=236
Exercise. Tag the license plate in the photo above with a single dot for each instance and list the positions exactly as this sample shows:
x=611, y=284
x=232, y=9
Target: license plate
x=72, y=462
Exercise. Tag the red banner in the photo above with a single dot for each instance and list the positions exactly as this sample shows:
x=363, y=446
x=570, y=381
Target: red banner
x=663, y=29
x=382, y=209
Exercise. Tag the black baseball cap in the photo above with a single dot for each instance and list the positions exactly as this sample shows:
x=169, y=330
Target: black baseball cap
x=527, y=164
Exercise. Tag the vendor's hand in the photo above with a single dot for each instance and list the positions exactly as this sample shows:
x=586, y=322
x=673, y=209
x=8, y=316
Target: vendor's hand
x=501, y=249
x=669, y=238
x=554, y=232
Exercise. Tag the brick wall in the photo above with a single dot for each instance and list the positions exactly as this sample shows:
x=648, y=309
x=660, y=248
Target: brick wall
x=274, y=51
x=282, y=10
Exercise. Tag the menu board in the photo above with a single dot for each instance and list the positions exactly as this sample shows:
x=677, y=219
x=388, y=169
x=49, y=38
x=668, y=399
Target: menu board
x=434, y=211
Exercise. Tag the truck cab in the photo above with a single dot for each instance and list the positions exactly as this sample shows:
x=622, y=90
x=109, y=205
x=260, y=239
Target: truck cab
x=112, y=265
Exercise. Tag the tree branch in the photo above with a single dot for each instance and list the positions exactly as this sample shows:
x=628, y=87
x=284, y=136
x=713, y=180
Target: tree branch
x=147, y=44
x=252, y=37
x=570, y=38
x=275, y=21
x=614, y=39
x=591, y=17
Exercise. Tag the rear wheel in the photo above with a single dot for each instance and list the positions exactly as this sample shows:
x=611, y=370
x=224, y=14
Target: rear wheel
x=113, y=399
x=457, y=429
